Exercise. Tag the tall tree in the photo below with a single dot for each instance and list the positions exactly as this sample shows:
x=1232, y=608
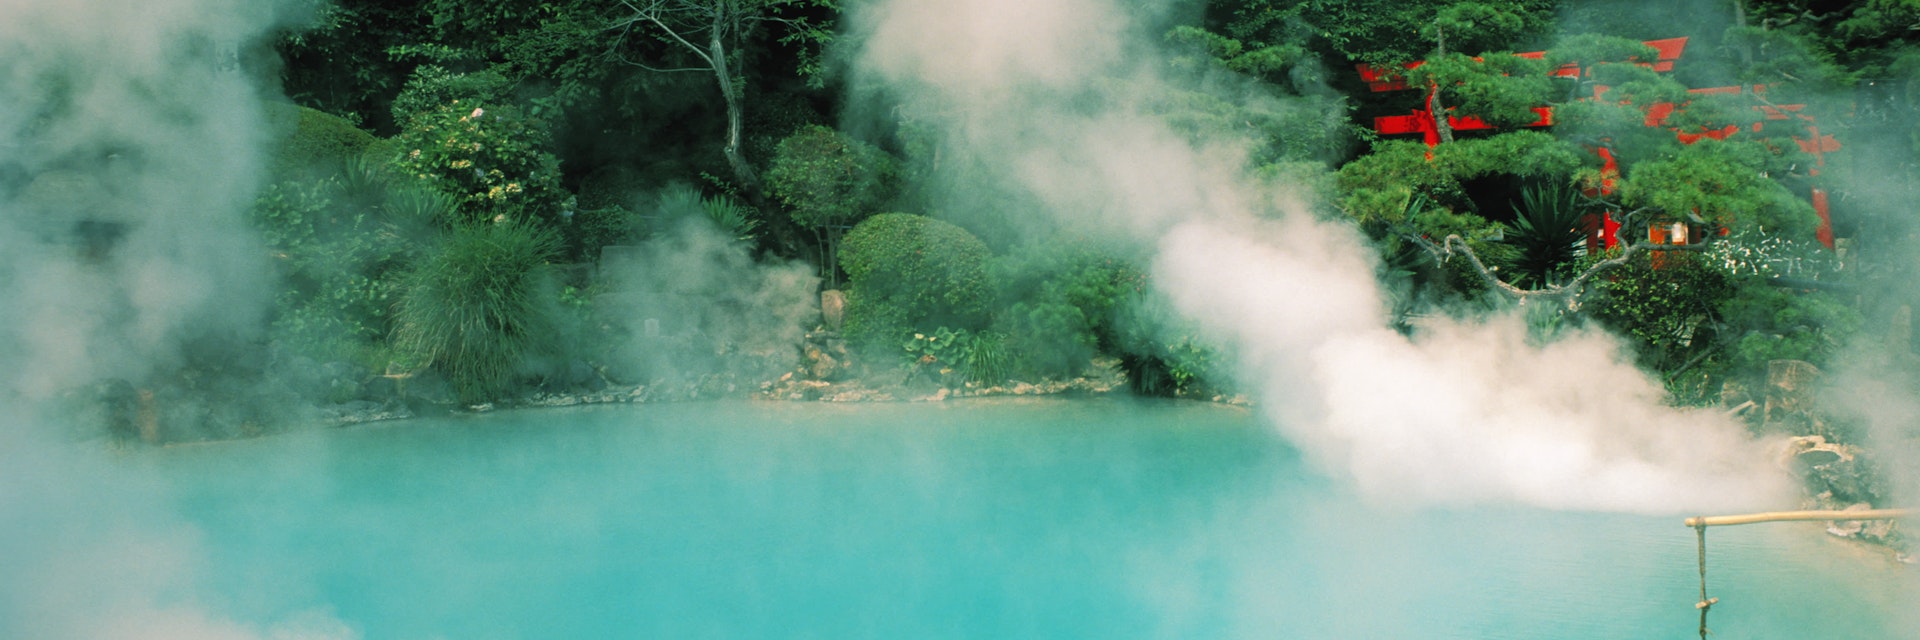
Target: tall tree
x=713, y=33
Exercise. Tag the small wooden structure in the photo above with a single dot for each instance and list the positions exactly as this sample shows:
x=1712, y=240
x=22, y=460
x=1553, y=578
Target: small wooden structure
x=1700, y=523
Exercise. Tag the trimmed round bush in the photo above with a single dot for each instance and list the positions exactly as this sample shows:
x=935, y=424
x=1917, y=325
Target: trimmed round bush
x=907, y=272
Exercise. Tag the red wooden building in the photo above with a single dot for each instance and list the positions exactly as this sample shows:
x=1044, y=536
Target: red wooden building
x=1804, y=130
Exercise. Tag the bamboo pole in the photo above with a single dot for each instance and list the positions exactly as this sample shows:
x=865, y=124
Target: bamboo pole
x=1699, y=525
x=1789, y=516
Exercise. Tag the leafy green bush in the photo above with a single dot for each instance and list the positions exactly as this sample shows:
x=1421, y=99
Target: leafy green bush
x=475, y=309
x=337, y=261
x=829, y=181
x=489, y=159
x=432, y=86
x=1772, y=323
x=728, y=215
x=1661, y=310
x=315, y=142
x=1163, y=354
x=988, y=359
x=912, y=273
x=1057, y=304
x=981, y=358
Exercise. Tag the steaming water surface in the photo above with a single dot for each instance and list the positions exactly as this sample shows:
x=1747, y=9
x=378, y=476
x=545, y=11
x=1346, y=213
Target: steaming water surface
x=977, y=519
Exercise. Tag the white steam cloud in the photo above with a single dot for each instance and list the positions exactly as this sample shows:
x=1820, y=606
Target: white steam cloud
x=1055, y=93
x=130, y=147
x=693, y=301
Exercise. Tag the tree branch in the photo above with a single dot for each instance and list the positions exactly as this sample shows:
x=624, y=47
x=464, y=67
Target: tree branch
x=652, y=14
x=1453, y=242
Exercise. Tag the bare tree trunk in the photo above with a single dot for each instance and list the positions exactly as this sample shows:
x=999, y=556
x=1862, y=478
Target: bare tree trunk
x=1442, y=123
x=723, y=72
x=1440, y=118
x=1740, y=19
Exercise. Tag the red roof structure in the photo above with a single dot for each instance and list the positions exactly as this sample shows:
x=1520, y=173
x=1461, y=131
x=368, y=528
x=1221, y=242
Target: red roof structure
x=1807, y=135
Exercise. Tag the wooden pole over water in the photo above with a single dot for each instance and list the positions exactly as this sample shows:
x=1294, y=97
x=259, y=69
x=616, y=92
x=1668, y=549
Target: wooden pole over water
x=1789, y=516
x=1699, y=525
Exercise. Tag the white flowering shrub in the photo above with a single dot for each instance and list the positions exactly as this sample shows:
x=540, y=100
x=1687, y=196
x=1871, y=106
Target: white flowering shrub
x=489, y=159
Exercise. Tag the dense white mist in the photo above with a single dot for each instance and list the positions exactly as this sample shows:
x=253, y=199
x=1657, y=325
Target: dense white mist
x=693, y=285
x=1053, y=93
x=130, y=147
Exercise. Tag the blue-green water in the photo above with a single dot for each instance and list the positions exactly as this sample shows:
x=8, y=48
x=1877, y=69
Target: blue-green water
x=975, y=519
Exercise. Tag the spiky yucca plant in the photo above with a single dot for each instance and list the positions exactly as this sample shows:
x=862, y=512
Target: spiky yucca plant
x=1545, y=234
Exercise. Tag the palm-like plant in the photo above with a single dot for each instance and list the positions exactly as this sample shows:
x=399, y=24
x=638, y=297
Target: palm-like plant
x=1546, y=234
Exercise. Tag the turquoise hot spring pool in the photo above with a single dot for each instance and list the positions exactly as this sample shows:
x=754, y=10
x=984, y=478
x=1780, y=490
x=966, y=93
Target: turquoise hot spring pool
x=1034, y=518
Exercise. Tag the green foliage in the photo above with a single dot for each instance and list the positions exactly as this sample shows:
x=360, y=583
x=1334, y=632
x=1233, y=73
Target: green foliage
x=1545, y=233
x=476, y=308
x=336, y=58
x=490, y=160
x=731, y=217
x=909, y=273
x=989, y=359
x=589, y=230
x=942, y=346
x=829, y=181
x=1381, y=31
x=728, y=215
x=1274, y=125
x=1783, y=56
x=1377, y=186
x=1725, y=182
x=433, y=86
x=337, y=261
x=1666, y=312
x=315, y=144
x=1475, y=21
x=611, y=186
x=1058, y=303
x=1183, y=366
x=1773, y=323
x=1258, y=59
x=1501, y=89
x=981, y=358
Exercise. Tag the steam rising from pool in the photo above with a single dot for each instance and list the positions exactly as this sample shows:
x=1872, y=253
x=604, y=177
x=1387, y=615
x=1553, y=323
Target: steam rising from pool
x=130, y=145
x=1057, y=95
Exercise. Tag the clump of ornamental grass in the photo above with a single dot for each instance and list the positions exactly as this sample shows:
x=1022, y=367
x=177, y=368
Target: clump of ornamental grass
x=474, y=309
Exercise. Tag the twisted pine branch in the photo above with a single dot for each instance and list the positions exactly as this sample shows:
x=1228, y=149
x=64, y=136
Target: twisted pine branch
x=1453, y=244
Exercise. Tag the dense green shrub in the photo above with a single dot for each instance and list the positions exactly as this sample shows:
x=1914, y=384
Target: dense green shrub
x=913, y=273
x=988, y=359
x=728, y=215
x=1544, y=234
x=432, y=86
x=477, y=308
x=829, y=181
x=1163, y=353
x=1661, y=309
x=1772, y=323
x=490, y=159
x=337, y=261
x=314, y=143
x=1057, y=303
